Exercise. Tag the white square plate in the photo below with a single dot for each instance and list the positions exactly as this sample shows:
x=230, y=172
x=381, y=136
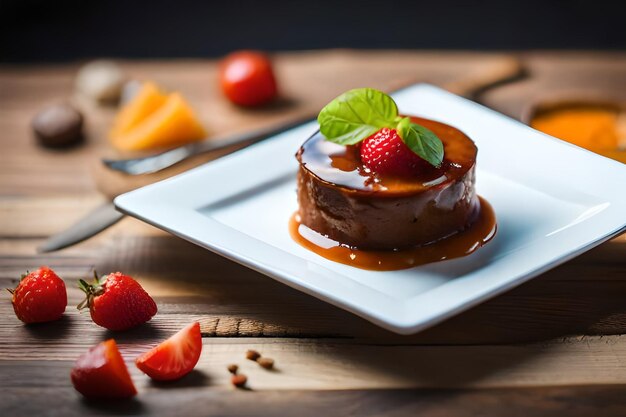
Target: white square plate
x=552, y=200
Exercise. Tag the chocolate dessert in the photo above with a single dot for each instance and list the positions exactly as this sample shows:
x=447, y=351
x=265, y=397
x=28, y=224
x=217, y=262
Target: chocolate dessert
x=378, y=190
x=343, y=201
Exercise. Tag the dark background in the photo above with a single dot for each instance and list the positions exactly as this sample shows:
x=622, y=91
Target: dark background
x=62, y=30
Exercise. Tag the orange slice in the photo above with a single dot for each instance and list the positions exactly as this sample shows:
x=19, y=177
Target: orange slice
x=172, y=124
x=148, y=99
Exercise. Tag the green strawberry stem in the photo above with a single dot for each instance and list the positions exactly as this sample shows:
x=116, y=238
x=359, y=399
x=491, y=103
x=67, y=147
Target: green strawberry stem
x=90, y=290
x=22, y=276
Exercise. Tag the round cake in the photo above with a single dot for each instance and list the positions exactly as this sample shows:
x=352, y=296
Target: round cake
x=343, y=200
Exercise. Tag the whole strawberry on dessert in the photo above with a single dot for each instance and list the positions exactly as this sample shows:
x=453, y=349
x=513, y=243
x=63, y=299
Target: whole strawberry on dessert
x=102, y=373
x=385, y=153
x=117, y=302
x=39, y=297
x=175, y=357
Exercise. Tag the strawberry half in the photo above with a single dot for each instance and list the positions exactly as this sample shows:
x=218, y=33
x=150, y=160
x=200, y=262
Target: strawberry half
x=385, y=153
x=102, y=373
x=175, y=357
x=117, y=302
x=39, y=297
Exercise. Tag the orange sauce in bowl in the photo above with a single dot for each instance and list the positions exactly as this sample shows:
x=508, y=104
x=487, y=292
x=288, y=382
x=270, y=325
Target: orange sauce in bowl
x=598, y=128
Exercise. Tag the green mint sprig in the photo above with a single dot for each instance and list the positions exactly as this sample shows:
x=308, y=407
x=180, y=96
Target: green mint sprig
x=359, y=113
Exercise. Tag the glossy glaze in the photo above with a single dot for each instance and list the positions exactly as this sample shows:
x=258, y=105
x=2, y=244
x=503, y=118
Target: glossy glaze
x=341, y=165
x=481, y=231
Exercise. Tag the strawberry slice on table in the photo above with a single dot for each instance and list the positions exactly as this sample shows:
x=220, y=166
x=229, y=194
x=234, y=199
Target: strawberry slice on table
x=175, y=357
x=385, y=153
x=117, y=302
x=102, y=373
x=39, y=297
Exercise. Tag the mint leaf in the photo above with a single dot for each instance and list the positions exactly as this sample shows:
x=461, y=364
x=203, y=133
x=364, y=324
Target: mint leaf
x=421, y=141
x=357, y=114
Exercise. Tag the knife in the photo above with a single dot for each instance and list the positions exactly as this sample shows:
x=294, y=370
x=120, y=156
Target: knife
x=99, y=219
x=104, y=216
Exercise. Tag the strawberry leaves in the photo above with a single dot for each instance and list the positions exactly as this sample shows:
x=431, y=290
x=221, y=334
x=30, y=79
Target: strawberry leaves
x=421, y=141
x=355, y=115
x=359, y=113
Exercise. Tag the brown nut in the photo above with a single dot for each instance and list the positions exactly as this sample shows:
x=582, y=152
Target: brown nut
x=239, y=380
x=266, y=363
x=58, y=126
x=253, y=355
x=232, y=368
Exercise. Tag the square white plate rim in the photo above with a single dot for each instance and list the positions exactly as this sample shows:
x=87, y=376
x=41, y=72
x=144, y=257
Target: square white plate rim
x=174, y=205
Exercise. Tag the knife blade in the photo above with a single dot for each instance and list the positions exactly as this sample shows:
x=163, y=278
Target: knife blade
x=90, y=225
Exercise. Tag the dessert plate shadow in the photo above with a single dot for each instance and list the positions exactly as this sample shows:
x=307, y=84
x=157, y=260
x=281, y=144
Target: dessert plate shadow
x=553, y=201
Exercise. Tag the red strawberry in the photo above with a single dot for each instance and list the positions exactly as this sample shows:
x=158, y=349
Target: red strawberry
x=384, y=153
x=175, y=357
x=102, y=373
x=117, y=302
x=40, y=296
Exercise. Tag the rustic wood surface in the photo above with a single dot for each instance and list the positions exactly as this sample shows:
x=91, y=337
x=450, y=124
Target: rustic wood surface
x=552, y=345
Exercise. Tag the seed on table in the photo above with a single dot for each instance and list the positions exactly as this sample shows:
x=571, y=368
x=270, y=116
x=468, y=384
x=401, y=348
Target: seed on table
x=232, y=368
x=253, y=355
x=239, y=380
x=266, y=363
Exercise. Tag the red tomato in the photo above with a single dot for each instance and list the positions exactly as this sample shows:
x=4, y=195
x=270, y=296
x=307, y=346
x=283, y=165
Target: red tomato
x=247, y=78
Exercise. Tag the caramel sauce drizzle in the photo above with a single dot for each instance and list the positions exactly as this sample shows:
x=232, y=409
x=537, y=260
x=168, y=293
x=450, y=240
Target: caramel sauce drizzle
x=481, y=231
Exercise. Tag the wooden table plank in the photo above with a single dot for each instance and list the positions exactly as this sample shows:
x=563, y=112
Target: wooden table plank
x=608, y=401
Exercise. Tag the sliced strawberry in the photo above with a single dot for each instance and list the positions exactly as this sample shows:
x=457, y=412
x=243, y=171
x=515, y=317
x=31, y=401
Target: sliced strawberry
x=385, y=153
x=175, y=357
x=102, y=373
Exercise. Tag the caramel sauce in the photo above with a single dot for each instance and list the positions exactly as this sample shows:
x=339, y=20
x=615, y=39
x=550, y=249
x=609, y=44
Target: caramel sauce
x=341, y=165
x=481, y=231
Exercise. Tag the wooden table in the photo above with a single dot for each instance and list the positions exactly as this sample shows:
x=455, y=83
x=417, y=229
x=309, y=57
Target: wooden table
x=553, y=345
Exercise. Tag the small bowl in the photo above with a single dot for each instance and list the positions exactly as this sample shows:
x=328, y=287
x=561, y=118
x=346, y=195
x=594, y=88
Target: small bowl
x=586, y=100
x=569, y=100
